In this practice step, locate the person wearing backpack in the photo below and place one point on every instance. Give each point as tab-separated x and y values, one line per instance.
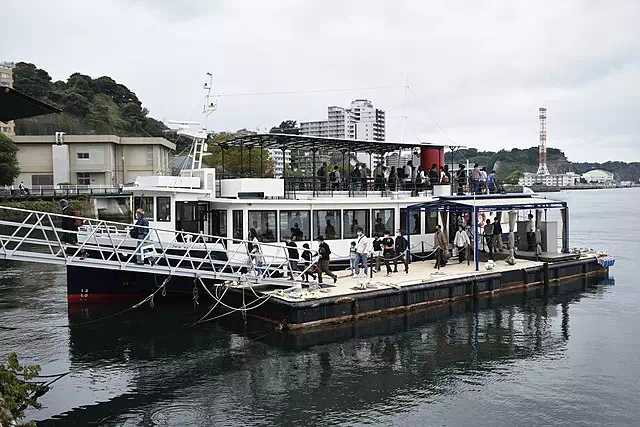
323	263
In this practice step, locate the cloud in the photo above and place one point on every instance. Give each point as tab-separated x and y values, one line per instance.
478	69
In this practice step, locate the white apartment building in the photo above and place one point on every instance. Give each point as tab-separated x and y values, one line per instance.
360	121
280	161
6	79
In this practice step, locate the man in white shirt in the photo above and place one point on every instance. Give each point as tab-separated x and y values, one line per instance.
363	247
408	174
483	180
531	234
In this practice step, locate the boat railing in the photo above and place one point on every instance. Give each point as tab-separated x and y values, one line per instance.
355	187
33	236
62	191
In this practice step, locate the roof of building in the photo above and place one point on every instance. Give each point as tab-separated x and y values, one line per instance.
305	142
94	139
15	105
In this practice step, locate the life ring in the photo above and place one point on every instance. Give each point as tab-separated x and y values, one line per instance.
482	218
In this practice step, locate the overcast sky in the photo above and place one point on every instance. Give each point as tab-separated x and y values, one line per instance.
477	71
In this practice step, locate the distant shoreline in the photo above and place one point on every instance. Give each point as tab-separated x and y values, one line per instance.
555	189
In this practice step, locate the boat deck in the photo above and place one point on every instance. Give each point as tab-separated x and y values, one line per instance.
420	272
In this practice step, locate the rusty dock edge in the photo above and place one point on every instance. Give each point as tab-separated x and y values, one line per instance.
302	315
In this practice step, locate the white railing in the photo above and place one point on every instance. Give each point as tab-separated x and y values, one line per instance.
38	237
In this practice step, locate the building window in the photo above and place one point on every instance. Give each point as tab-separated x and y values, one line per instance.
41	180
149	151
431	220
263	225
146	204
84	178
4	76
354	219
295	223
237	224
164	209
383	221
219	222
82	155
414	222
327	224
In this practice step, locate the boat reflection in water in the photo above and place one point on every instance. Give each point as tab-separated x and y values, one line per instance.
232	372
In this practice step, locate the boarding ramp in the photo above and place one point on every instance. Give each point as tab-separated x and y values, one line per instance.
33	236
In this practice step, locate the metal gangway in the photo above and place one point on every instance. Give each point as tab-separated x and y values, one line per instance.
34	236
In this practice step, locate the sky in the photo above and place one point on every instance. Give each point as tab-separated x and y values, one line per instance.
462	72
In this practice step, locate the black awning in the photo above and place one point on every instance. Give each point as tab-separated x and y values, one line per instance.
305	142
15	105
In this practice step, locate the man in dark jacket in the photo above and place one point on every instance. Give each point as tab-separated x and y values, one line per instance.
292	251
140	232
323	264
69	224
401	252
389	254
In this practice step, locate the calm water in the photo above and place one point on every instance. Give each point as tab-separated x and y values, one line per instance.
571	359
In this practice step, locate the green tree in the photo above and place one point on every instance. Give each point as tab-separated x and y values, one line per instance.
17	392
513	177
246	163
9	167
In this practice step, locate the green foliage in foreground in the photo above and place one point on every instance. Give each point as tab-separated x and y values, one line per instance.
17	393
9	167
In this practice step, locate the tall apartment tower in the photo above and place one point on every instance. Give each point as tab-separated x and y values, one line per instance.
542	147
6	79
360	121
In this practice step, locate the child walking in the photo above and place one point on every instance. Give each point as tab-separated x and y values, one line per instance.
353	254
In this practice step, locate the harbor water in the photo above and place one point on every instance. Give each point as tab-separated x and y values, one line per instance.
567	358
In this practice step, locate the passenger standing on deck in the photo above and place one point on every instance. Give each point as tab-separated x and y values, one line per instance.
387	247
378	177
292	251
408	175
377	251
140	230
483	180
531	234
491	182
322	176
363	247
497	235
488	236
353	256
433	174
323	267
445	176
335	179
461	241
461	178
440	246
401	246
393	179
475	179
355	177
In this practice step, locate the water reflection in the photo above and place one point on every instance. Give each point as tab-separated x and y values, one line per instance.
237	373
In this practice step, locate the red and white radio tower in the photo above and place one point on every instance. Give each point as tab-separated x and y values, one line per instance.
542	165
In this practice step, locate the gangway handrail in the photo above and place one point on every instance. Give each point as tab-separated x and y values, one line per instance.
176	257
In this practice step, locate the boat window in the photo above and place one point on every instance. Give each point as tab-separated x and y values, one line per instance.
354	219
327	224
263	225
295	223
146	204
431	220
219	222
164	209
414	222
383	220
237	224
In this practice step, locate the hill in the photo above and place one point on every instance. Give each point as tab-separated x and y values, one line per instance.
516	161
90	106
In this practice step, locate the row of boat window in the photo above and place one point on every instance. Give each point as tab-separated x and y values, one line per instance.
271	225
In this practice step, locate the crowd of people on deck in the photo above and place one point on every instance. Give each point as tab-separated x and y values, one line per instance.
361	178
407	178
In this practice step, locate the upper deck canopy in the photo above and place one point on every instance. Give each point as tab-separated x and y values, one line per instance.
288	141
493	202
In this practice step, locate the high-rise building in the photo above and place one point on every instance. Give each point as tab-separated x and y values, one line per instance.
6	79
280	161
360	121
